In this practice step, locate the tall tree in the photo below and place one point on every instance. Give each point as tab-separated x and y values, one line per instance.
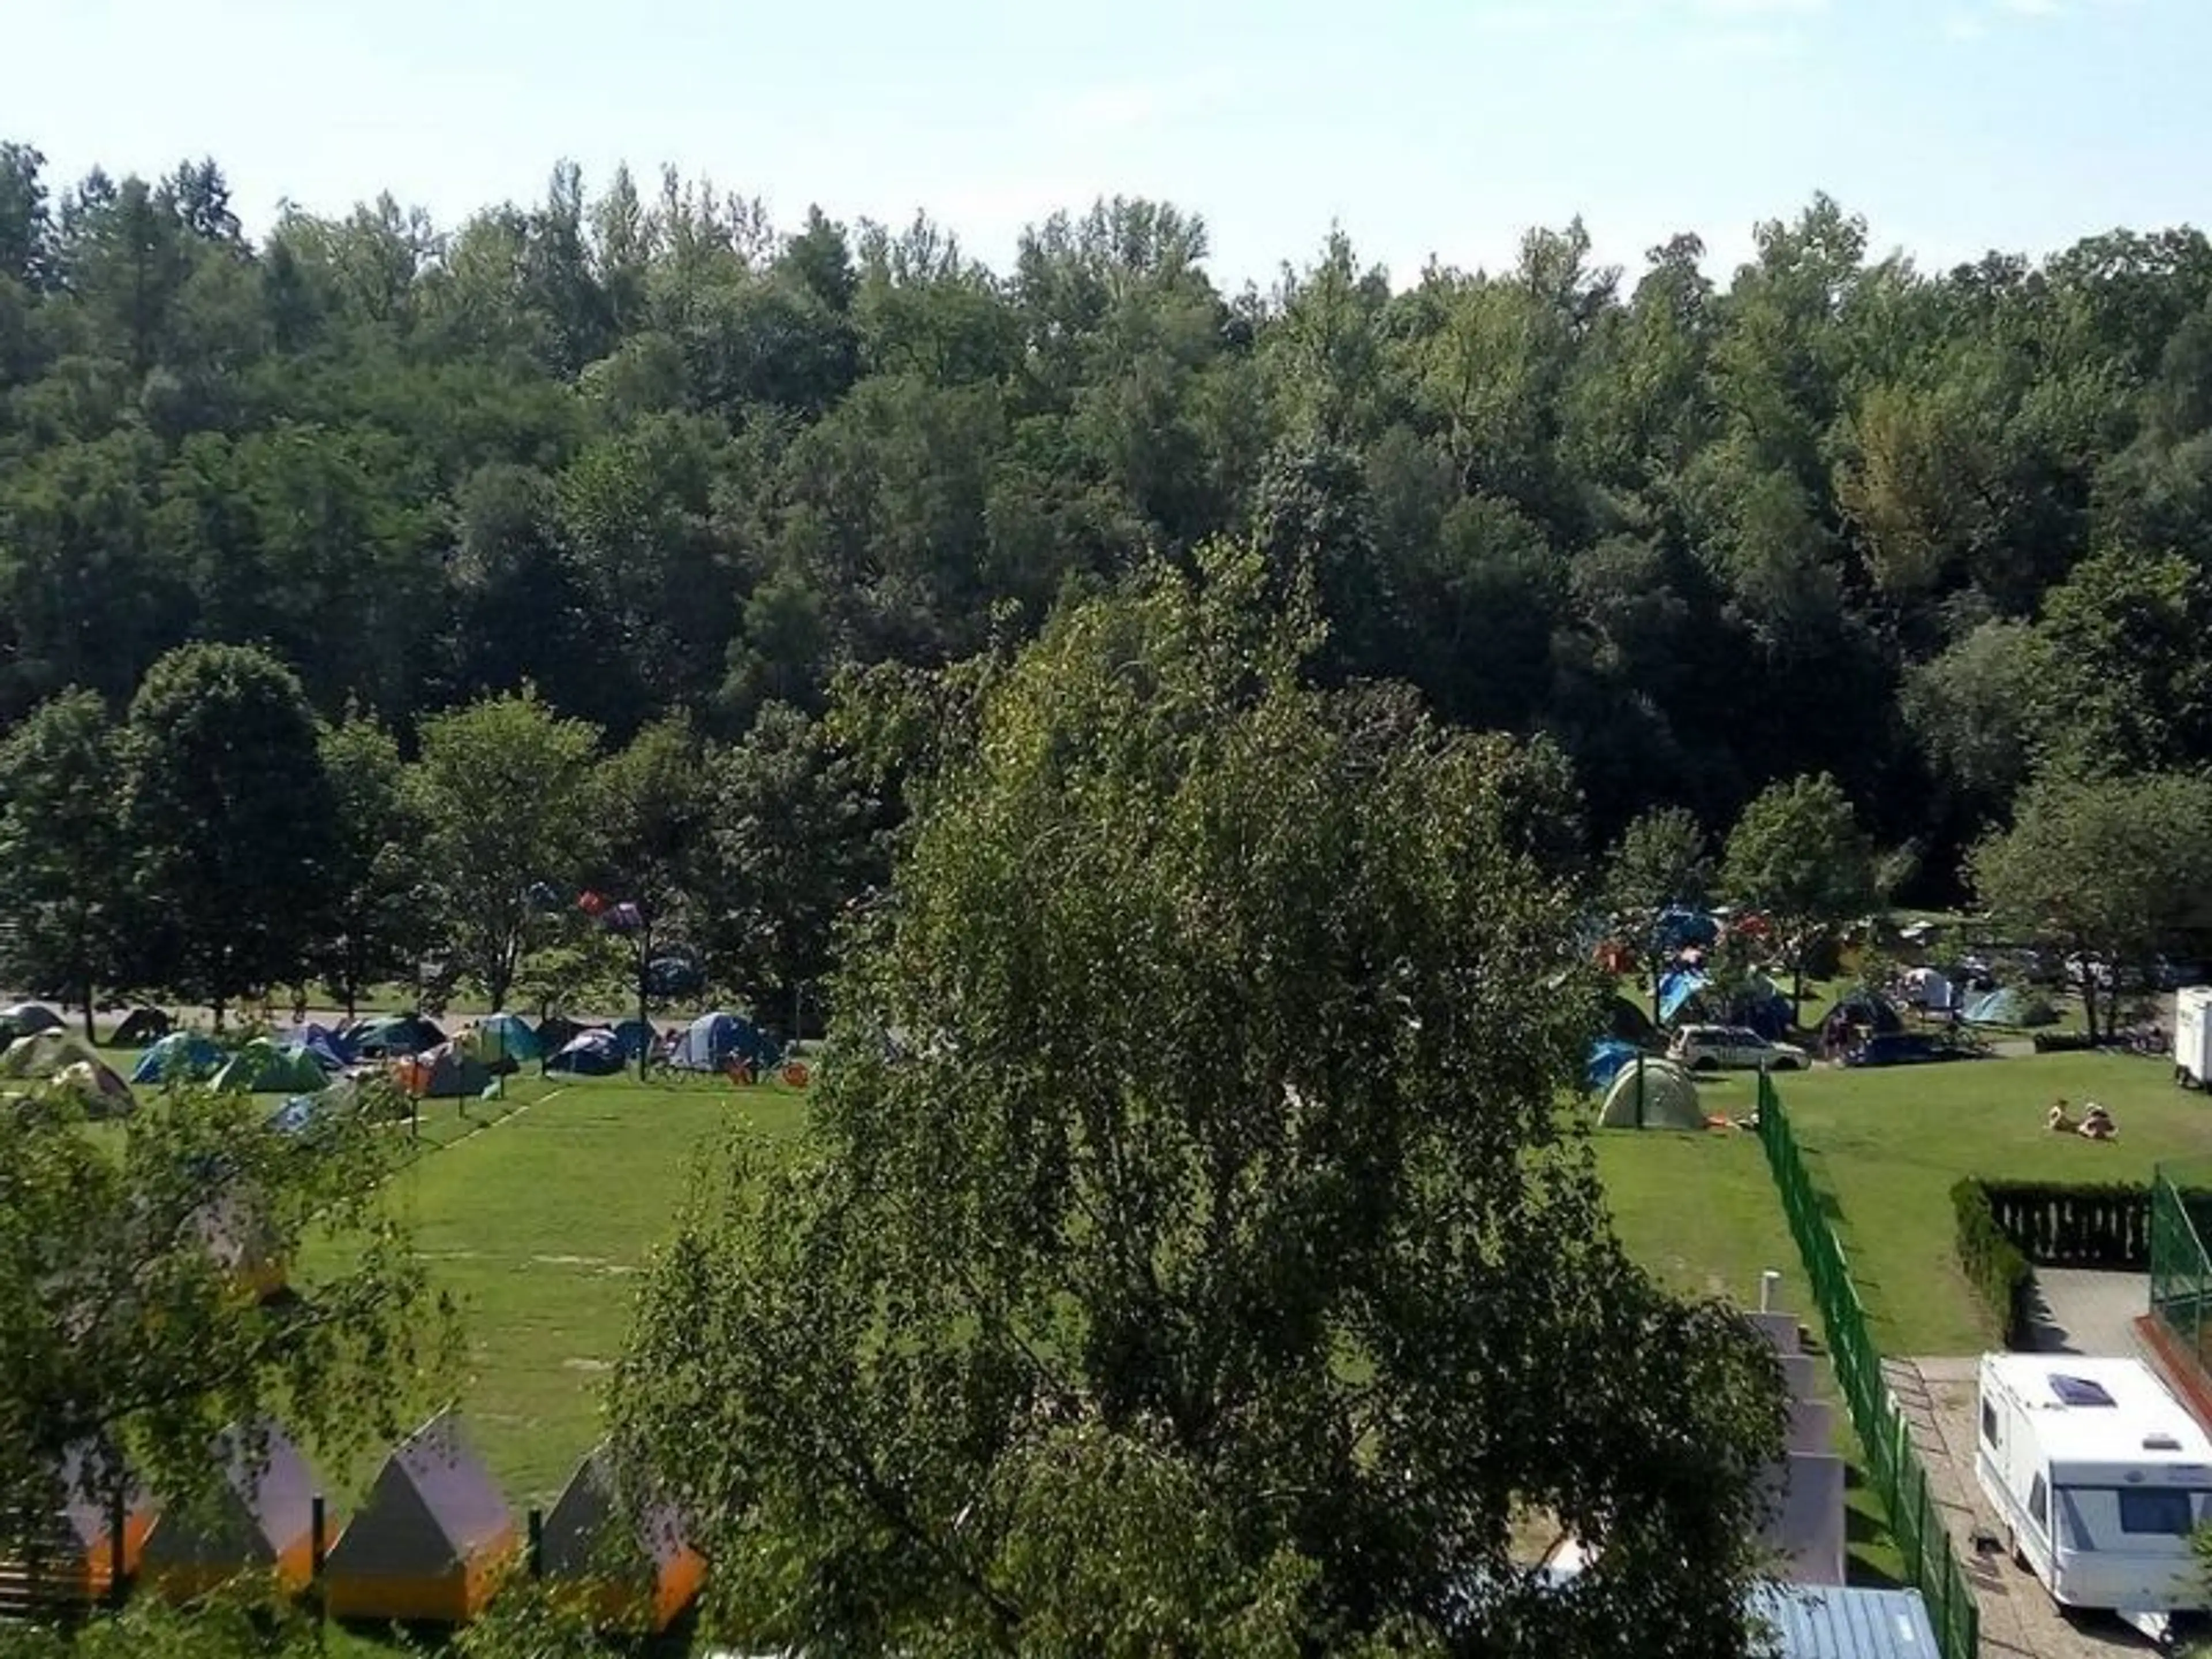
231	820
654	808
375	916
505	790
1662	862
793	843
1798	854
62	841
2105	869
1187	1253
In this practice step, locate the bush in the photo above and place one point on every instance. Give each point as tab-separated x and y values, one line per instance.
1994	1265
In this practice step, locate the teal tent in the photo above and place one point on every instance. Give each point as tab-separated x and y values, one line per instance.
185	1056
501	1041
2010	1006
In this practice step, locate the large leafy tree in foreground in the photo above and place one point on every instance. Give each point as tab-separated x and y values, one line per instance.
1186	1254
127	1322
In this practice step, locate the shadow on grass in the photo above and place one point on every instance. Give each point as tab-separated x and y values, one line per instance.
1870	1548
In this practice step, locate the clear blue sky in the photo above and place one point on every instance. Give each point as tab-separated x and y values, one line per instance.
1424	126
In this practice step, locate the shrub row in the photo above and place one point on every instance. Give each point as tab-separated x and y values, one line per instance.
1994	1265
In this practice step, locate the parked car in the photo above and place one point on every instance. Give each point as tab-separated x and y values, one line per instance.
1711	1047
1907	1049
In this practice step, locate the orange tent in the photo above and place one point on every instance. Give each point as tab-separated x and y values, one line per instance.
634	1562
429	1544
73	1558
259	1520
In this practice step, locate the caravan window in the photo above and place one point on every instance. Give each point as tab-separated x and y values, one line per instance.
2135	1519
2165	1512
1989	1423
2038	1506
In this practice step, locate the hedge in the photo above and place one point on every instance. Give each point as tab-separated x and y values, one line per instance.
1993	1263
2006	1228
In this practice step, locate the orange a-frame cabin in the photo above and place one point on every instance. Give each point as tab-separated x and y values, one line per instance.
259	1520
432	1541
634	1567
73	1558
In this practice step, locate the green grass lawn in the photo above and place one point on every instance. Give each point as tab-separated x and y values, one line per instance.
1700	1212
539	1211
539	1225
1886	1145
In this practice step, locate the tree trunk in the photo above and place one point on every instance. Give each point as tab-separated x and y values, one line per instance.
90	1036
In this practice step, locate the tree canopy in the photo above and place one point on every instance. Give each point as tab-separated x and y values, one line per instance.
133	1331
636	446
1196	1131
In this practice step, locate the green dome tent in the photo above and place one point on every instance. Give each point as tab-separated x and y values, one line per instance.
1657	1094
262	1068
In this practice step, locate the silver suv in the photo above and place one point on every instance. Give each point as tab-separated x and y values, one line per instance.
1710	1048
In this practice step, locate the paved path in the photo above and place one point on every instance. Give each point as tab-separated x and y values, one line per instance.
2019	1618
2077	1311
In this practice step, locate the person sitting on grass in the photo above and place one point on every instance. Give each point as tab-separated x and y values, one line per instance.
2097	1124
2058	1120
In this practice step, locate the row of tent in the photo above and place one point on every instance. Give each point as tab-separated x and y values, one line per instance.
429	1544
428	1063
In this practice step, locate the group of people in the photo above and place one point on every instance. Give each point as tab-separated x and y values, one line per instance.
2095	1124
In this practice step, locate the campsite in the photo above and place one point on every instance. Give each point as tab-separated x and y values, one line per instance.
539	1197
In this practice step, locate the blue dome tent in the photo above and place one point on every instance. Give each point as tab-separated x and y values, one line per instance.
589	1054
716	1039
181	1054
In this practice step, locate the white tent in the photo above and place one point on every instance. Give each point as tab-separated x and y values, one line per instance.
1926	988
1652	1094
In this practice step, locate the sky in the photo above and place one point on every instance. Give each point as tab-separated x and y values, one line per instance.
1426	129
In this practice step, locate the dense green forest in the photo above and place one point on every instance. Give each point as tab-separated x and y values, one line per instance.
647	451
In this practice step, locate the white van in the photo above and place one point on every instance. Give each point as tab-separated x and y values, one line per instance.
2100	1478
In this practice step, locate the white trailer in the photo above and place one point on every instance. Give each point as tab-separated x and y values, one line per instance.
2098	1477
2192	1035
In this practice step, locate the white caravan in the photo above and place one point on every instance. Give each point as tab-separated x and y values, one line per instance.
2192	1035
2099	1477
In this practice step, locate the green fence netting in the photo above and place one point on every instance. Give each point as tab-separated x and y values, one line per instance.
1893	1468
2180	1268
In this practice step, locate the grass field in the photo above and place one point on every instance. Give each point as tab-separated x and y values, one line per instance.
1886	1145
539	1224
539	1212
